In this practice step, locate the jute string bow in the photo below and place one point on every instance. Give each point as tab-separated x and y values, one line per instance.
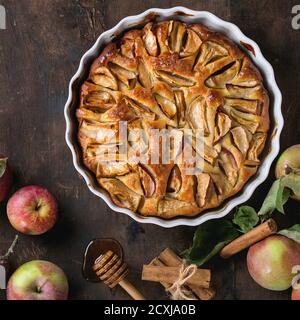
177	288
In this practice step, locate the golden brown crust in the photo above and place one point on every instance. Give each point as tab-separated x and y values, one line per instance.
172	76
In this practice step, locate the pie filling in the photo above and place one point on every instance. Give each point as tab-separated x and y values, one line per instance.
174	80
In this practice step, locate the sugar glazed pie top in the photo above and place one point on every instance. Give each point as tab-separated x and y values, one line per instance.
173	76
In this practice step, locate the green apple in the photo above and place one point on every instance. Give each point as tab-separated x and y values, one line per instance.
288	161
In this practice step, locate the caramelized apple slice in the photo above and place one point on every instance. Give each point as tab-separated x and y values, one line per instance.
210	154
210	52
207	152
148	182
236	91
240	139
132	181
86	114
95	97
103	77
172	205
164	90
256	146
192	44
124	75
140	110
144	75
204	186
174	80
111	169
248	120
165	99
198	115
119	112
99	100
162	31
243	105
120	194
176	36
219	79
168	107
221	183
127	48
99	132
175	180
104	152
228	144
223	125
150	40
252	163
181	107
229	166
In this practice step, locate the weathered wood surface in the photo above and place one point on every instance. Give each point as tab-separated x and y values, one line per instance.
39	52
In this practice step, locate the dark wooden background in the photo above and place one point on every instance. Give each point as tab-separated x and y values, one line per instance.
39	53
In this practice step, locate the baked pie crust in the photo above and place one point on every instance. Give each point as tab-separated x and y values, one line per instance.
174	76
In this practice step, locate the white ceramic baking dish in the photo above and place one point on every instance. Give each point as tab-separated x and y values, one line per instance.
215	23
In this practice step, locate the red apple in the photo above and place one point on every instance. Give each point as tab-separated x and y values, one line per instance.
290	159
6	178
295	294
38	280
32	210
270	262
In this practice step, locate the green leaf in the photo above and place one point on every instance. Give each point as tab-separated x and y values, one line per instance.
275	199
292	233
280	192
209	239
292	182
3	163
246	218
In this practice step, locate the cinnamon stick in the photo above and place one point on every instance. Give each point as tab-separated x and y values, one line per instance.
246	240
171	259
189	293
170	274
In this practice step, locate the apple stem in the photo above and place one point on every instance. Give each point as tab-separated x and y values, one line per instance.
287	169
38	205
39	288
11	249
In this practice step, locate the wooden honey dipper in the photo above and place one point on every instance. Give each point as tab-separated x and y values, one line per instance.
110	269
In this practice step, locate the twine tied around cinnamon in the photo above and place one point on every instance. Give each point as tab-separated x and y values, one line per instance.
177	288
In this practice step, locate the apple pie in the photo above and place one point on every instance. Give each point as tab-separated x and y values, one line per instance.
177	77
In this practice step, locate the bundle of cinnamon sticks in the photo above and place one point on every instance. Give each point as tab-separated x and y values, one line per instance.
166	269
